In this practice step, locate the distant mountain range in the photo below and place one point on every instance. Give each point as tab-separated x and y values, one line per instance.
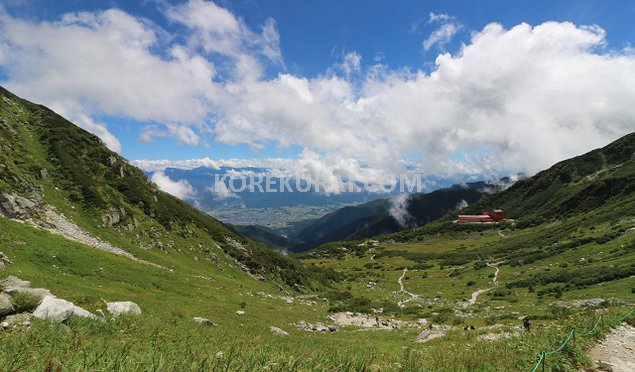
381	216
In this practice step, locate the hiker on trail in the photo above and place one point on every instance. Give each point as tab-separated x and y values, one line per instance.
526	324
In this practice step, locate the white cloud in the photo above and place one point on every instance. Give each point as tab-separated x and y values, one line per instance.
439	17
441	36
399	210
516	99
217	30
222	192
181	188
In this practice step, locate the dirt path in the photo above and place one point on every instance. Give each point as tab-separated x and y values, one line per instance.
616	352
495	280
402	303
475	294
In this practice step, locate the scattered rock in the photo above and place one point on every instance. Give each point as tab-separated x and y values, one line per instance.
430	334
367	321
123	307
317	327
16	321
59	310
2	266
44	174
240	312
203	321
13	282
6	307
54	309
278	331
592	302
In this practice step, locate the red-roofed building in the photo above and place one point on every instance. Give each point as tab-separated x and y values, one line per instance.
496	215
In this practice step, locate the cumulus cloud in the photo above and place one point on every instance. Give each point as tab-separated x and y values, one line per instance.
517	99
181	188
217	30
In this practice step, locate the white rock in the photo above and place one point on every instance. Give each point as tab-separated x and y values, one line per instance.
83	313
13	282
278	331
54	309
240	312
123	307
203	321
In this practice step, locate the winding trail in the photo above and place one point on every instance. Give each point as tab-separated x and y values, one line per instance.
475	294
402	303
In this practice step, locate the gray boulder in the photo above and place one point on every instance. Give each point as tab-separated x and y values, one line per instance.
14	206
54	309
59	310
203	321
12	285
6	307
13	282
2	266
83	313
123	307
278	331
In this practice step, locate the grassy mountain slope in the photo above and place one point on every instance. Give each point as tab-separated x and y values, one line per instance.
53	162
572	186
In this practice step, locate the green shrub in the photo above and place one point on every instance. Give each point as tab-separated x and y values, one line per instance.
24	302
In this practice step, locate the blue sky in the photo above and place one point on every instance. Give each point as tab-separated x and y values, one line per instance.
336	81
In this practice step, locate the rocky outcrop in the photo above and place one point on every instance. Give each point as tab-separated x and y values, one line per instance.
12	282
48	307
12	285
317	327
113	216
123	307
18	207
